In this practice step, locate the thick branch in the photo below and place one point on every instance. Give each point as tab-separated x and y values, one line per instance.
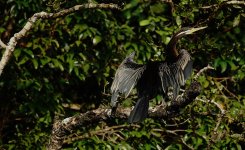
66	126
44	15
225	3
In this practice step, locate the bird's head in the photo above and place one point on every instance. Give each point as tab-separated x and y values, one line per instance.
188	30
171	47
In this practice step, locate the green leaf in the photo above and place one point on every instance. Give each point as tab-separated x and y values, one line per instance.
82	56
216	62
17	53
232	65
78	43
29	52
58	64
2	29
131	4
219	62
223	65
178	20
236	21
160	32
144	22
220	15
205	84
56	43
157	8
45	60
96	40
86	68
71	65
35	63
23	60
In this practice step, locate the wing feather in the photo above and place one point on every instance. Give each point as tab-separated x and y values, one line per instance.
175	75
126	77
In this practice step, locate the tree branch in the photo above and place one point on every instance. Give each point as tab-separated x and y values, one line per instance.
225	3
63	127
208	67
10	47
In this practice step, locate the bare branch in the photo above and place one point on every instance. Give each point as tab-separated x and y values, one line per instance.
187	145
177	124
236	2
43	15
222	110
202	70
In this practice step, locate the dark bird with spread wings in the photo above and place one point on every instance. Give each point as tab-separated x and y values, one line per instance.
154	77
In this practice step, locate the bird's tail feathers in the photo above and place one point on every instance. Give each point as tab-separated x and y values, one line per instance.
140	111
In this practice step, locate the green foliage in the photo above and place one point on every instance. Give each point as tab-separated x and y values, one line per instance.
73	59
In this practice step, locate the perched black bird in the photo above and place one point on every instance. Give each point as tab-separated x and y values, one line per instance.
154	77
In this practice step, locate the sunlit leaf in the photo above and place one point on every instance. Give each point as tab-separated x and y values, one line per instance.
23	60
232	65
96	40
223	65
17	53
58	64
145	22
178	21
45	60
29	52
236	21
35	63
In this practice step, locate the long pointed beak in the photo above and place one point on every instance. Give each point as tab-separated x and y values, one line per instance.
197	29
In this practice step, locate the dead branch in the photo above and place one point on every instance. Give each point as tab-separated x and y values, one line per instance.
10	47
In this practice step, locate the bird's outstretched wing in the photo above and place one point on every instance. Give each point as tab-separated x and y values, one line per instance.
126	78
174	75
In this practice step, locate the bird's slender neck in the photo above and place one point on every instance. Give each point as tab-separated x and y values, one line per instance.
171	48
171	51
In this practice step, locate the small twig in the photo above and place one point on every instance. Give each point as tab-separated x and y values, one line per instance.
225	88
232	94
202	70
218	123
187	145
223	78
169	131
215	103
177	124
